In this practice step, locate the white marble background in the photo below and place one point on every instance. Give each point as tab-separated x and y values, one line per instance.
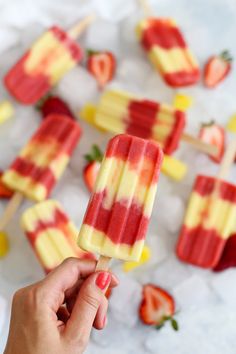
206	301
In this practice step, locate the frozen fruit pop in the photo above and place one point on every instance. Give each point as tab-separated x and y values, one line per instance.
43	160
168	51
118	213
51	234
43	65
209	221
122	112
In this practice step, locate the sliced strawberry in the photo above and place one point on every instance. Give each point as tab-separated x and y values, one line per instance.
102	66
53	104
228	257
5	192
157	307
217	68
91	169
214	134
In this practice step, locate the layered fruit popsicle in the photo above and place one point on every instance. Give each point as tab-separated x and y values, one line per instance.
51	234
43	65
43	160
209	221
168	51
117	217
121	112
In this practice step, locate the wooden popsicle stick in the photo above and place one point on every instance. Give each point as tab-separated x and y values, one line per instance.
103	263
10	210
146	7
200	145
227	161
75	31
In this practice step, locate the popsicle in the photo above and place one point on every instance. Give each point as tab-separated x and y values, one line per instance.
41	162
118	213
168	52
51	234
45	63
209	220
122	112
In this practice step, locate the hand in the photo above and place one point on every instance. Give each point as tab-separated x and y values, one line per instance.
56	315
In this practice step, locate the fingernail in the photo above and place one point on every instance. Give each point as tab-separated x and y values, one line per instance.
103	280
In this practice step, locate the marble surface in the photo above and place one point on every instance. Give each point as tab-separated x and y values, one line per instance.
206	301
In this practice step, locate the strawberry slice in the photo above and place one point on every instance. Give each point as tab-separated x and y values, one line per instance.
217	68
157	307
214	134
102	66
228	257
90	173
5	192
53	104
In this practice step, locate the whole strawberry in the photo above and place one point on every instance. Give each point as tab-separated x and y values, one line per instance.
157	307
54	104
214	134
91	170
102	66
217	68
228	257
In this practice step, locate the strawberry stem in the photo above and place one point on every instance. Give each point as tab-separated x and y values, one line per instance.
225	55
94	155
209	124
174	323
91	52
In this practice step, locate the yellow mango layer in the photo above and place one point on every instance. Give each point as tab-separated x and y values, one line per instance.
93	240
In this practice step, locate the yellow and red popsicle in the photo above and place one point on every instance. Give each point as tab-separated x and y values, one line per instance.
43	65
168	51
117	217
122	112
51	234
43	160
209	221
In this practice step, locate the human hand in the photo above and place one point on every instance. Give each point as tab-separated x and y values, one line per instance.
56	315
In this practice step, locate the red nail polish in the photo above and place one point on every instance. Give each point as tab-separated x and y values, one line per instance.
103	280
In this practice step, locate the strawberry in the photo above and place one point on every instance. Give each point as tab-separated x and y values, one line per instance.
157	307
91	169
228	257
217	68
214	134
5	192
102	66
53	104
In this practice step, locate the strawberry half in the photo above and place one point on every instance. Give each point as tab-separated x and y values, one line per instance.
228	257
102	66
217	68
90	173
5	192
214	134
157	307
53	104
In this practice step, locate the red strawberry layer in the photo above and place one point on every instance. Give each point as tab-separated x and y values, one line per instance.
121	223
162	33
200	247
205	185
130	148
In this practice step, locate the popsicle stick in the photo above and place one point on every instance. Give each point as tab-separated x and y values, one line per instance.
10	210
75	31
227	161
103	263
200	145
146	7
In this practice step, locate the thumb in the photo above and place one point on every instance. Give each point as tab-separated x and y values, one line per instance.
91	296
